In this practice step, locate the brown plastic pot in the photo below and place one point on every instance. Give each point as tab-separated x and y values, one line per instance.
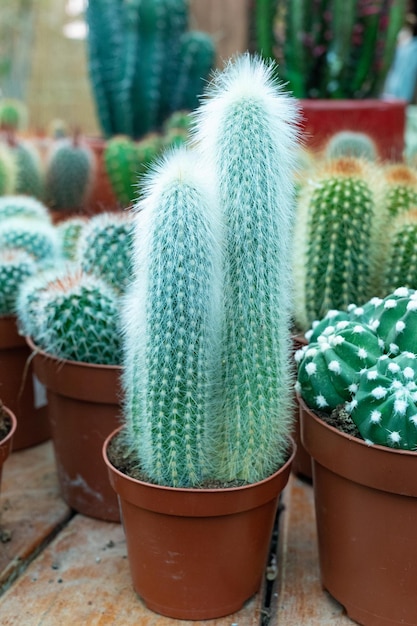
302	461
6	442
197	554
366	512
84	405
19	389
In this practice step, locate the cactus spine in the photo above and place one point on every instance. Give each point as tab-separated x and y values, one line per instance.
172	325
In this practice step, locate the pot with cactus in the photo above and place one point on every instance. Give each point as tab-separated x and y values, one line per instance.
357	381
205	448
335	57
70	317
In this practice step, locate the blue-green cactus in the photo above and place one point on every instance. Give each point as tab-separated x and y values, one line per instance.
37	237
69	232
351	144
16	266
12	206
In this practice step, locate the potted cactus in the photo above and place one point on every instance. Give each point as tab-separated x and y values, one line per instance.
206	353
357	382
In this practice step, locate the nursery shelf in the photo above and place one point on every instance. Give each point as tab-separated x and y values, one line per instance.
58	568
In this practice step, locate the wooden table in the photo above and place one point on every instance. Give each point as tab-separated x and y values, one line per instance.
58	568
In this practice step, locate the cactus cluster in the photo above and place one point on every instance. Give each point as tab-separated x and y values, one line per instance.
142	60
16	266
30	174
71	315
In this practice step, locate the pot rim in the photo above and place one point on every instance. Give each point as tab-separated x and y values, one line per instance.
47	355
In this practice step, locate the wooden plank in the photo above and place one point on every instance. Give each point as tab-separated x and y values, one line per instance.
299	597
83	577
31	508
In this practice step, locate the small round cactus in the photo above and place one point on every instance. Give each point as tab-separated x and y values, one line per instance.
328	370
72	316
384	407
38	238
16	266
105	248
401	188
351	144
23	206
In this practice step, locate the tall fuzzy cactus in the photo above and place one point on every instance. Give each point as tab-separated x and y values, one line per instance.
246	129
15	267
70	170
104	248
72	316
38	238
172	322
400	268
12	206
337	238
137	51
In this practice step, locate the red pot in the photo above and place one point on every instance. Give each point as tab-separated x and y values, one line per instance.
197	554
382	120
366	512
6	443
19	389
84	405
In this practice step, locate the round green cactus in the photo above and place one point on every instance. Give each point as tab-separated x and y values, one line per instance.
23	206
72	316
16	266
69	232
384	407
105	248
38	238
401	188
13	114
329	370
351	144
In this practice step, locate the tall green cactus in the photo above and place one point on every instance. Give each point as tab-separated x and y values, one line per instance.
336	239
246	129
400	268
138	52
172	324
400	188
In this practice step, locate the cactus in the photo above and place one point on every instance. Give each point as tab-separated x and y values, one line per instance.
400	268
8	171
178	120
105	248
401	188
69	232
351	144
38	238
70	171
137	52
23	207
30	176
72	316
246	129
16	266
329	370
384	407
13	114
337	230
172	323
395	321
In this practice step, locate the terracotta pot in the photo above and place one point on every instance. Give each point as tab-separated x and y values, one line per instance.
302	461
19	389
383	120
366	511
83	408
6	443
197	554
102	197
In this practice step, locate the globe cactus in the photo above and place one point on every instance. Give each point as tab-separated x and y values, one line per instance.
15	267
105	248
38	238
351	144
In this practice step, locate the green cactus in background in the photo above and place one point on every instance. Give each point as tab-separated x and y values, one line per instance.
336	241
69	232
172	325
329	369
105	248
70	170
16	266
351	144
246	130
8	171
36	237
140	64
264	15
72	316
331	49
400	268
178	120
24	207
13	114
384	407
30	175
400	188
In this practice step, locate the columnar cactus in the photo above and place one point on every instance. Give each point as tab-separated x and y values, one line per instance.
12	206
72	316
172	323
15	267
400	188
400	267
104	248
329	370
246	129
38	238
336	239
384	407
70	170
351	144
